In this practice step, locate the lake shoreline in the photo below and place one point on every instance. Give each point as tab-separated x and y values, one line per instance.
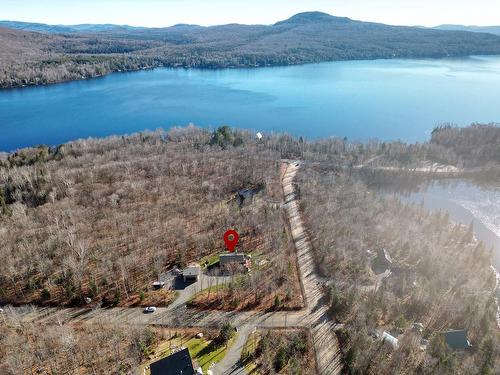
315	101
231	67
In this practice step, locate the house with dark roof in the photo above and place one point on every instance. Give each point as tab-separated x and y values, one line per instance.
229	258
244	196
382	261
234	262
457	339
384	257
179	363
191	273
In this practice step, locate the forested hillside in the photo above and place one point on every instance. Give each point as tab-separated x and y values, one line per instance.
469	151
474	146
28	58
69	349
104	218
440	277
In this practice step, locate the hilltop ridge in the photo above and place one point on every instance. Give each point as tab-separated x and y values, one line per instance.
85	51
314	17
63	29
475	29
299	18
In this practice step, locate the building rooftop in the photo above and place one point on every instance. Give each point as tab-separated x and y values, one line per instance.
176	364
457	339
232	258
244	195
390	340
193	270
384	255
382	262
232	255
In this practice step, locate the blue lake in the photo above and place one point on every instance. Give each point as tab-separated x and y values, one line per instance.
387	99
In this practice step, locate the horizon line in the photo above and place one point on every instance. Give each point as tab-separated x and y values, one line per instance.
232	23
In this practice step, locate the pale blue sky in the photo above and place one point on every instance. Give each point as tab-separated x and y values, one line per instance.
209	12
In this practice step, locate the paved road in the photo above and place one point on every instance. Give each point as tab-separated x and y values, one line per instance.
314	316
190	290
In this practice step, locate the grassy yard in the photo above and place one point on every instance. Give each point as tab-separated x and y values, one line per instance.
210	260
202	352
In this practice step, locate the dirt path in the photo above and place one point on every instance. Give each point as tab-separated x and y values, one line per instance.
314	316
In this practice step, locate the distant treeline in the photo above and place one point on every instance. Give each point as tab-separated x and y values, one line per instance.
474	146
472	149
29	58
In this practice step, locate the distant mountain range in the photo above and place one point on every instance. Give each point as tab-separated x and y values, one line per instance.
303	18
62	53
63	29
476	29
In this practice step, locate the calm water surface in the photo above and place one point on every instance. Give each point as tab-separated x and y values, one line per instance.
388	99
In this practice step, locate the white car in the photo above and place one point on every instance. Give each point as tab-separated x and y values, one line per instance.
149	309
1	310
158	285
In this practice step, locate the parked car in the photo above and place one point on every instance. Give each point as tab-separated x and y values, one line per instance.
158	284
149	309
1	310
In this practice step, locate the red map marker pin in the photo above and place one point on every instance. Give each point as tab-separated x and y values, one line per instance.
231	239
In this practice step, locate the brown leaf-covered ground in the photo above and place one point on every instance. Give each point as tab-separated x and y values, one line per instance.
103	218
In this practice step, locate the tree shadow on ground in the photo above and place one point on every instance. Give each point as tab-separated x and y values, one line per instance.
180	284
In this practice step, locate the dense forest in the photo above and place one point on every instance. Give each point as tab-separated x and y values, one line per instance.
86	349
279	352
66	207
469	152
29	58
477	146
472	148
441	277
102	218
